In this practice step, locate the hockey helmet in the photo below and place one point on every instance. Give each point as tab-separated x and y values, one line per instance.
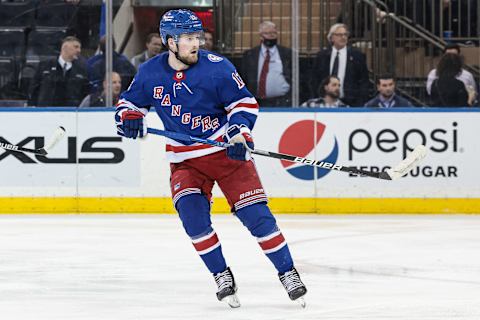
177	22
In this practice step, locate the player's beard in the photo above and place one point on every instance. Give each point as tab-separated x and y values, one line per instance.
188	59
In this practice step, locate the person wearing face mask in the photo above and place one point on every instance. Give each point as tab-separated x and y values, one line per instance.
267	69
346	63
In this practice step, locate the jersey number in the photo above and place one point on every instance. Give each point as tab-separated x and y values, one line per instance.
238	80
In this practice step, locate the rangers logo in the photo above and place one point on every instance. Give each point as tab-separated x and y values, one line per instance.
214	58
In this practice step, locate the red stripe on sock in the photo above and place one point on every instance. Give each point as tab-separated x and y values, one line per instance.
272	243
207	243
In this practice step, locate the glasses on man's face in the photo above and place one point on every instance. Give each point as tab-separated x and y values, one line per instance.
344	35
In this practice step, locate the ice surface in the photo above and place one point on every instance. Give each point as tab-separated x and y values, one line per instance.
144	267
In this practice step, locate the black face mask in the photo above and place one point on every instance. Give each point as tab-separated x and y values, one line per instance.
270	42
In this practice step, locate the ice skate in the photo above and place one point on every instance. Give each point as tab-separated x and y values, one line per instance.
227	288
293	284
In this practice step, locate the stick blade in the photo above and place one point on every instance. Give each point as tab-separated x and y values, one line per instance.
54	139
407	164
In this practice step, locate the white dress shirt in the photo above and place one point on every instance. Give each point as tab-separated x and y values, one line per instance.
276	85
342	65
63	62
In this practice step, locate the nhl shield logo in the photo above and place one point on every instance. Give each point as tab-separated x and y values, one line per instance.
179	76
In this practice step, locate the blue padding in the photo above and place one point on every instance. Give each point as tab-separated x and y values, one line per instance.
194	211
258	219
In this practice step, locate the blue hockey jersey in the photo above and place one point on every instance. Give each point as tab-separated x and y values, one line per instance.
200	101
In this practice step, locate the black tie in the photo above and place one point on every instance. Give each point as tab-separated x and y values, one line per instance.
335	65
64	69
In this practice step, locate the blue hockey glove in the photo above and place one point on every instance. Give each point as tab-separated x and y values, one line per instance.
242	142
133	124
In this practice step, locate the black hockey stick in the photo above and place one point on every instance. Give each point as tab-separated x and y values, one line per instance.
43	151
396	172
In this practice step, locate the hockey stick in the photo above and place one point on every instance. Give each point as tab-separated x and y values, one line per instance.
398	171
56	136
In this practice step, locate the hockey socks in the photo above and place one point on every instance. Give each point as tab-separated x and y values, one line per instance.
262	225
194	211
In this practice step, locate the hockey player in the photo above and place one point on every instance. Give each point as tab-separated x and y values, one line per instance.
199	93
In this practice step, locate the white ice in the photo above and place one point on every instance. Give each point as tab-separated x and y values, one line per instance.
143	267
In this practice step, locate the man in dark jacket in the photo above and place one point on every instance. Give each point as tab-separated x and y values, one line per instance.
61	81
267	69
120	64
387	98
346	63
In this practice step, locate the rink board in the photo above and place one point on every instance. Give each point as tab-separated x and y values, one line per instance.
93	170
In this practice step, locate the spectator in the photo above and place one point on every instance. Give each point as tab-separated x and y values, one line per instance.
209	44
329	95
387	98
267	69
120	64
98	53
154	47
97	99
346	63
465	76
61	81
447	90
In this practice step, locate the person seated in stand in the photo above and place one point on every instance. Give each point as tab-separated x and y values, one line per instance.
209	44
97	99
387	98
329	95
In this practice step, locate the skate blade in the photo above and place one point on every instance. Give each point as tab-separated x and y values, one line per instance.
232	301
301	301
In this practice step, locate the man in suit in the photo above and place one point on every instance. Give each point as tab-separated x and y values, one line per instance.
61	81
267	69
346	63
154	47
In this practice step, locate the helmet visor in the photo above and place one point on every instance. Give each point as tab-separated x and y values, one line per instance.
194	38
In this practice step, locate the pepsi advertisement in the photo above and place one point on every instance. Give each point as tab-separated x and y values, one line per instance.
372	141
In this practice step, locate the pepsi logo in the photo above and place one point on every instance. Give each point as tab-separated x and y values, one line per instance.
309	139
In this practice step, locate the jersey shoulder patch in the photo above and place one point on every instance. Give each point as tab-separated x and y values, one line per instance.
214	58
